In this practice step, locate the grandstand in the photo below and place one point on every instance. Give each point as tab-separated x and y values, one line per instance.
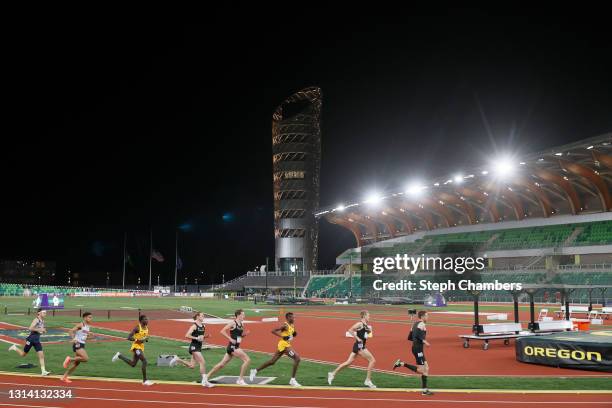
16	289
544	218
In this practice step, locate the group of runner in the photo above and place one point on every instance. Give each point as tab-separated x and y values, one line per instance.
234	332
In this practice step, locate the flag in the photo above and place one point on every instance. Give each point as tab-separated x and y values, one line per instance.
157	256
179	263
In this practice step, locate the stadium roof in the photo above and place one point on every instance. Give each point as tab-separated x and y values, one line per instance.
567	180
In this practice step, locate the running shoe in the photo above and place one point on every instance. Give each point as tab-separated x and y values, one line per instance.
148	383
45	372
398	363
116	357
13	347
252	375
369	384
241	382
173	362
427	392
293	382
330	378
66	362
65	379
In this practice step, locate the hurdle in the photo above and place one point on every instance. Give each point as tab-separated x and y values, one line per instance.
566	324
606	311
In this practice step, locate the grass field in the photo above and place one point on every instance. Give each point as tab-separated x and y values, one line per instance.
310	373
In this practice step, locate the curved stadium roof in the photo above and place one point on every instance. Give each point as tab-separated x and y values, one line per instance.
567	180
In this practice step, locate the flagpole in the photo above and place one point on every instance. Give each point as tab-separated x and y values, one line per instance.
175	259
150	256
124	244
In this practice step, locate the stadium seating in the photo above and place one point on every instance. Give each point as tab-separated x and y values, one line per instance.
15	289
338	286
594	233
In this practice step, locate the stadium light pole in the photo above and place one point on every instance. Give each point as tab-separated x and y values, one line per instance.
150	254
267	276
175	259
124	245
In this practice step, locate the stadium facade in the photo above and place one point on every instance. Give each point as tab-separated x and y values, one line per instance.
573	179
544	219
296	158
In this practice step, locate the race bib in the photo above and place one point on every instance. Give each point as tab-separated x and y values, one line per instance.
360	345
238	339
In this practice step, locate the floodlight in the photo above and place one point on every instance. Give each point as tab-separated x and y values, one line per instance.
373	198
415	189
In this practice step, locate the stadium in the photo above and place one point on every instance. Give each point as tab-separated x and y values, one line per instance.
542	222
308	214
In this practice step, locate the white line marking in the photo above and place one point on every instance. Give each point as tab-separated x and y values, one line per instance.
28	406
9	342
216	404
361	398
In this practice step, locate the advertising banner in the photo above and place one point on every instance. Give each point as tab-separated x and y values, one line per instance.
585	351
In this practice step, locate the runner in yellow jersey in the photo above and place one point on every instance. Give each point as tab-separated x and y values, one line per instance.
286	333
138	336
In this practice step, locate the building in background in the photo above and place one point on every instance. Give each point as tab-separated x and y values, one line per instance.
296	147
27	272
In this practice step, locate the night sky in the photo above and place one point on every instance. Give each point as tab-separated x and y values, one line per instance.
114	127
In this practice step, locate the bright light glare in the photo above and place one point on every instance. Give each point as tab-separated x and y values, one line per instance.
415	189
339	208
458	178
503	167
373	198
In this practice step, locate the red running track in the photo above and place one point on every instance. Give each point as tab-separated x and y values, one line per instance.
324	339
102	394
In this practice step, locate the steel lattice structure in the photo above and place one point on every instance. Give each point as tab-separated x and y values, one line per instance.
296	147
567	180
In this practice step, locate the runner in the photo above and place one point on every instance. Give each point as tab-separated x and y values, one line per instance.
37	327
196	333
79	333
234	332
360	331
286	333
138	336
417	336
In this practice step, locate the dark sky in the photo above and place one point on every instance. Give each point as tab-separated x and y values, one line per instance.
114	127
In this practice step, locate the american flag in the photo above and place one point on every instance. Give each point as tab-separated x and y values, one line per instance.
157	256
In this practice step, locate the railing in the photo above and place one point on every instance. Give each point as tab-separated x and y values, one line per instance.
324	272
602	266
278	273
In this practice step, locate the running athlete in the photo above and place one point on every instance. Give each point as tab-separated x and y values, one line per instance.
79	333
360	331
234	332
196	333
138	336
37	327
286	333
417	336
